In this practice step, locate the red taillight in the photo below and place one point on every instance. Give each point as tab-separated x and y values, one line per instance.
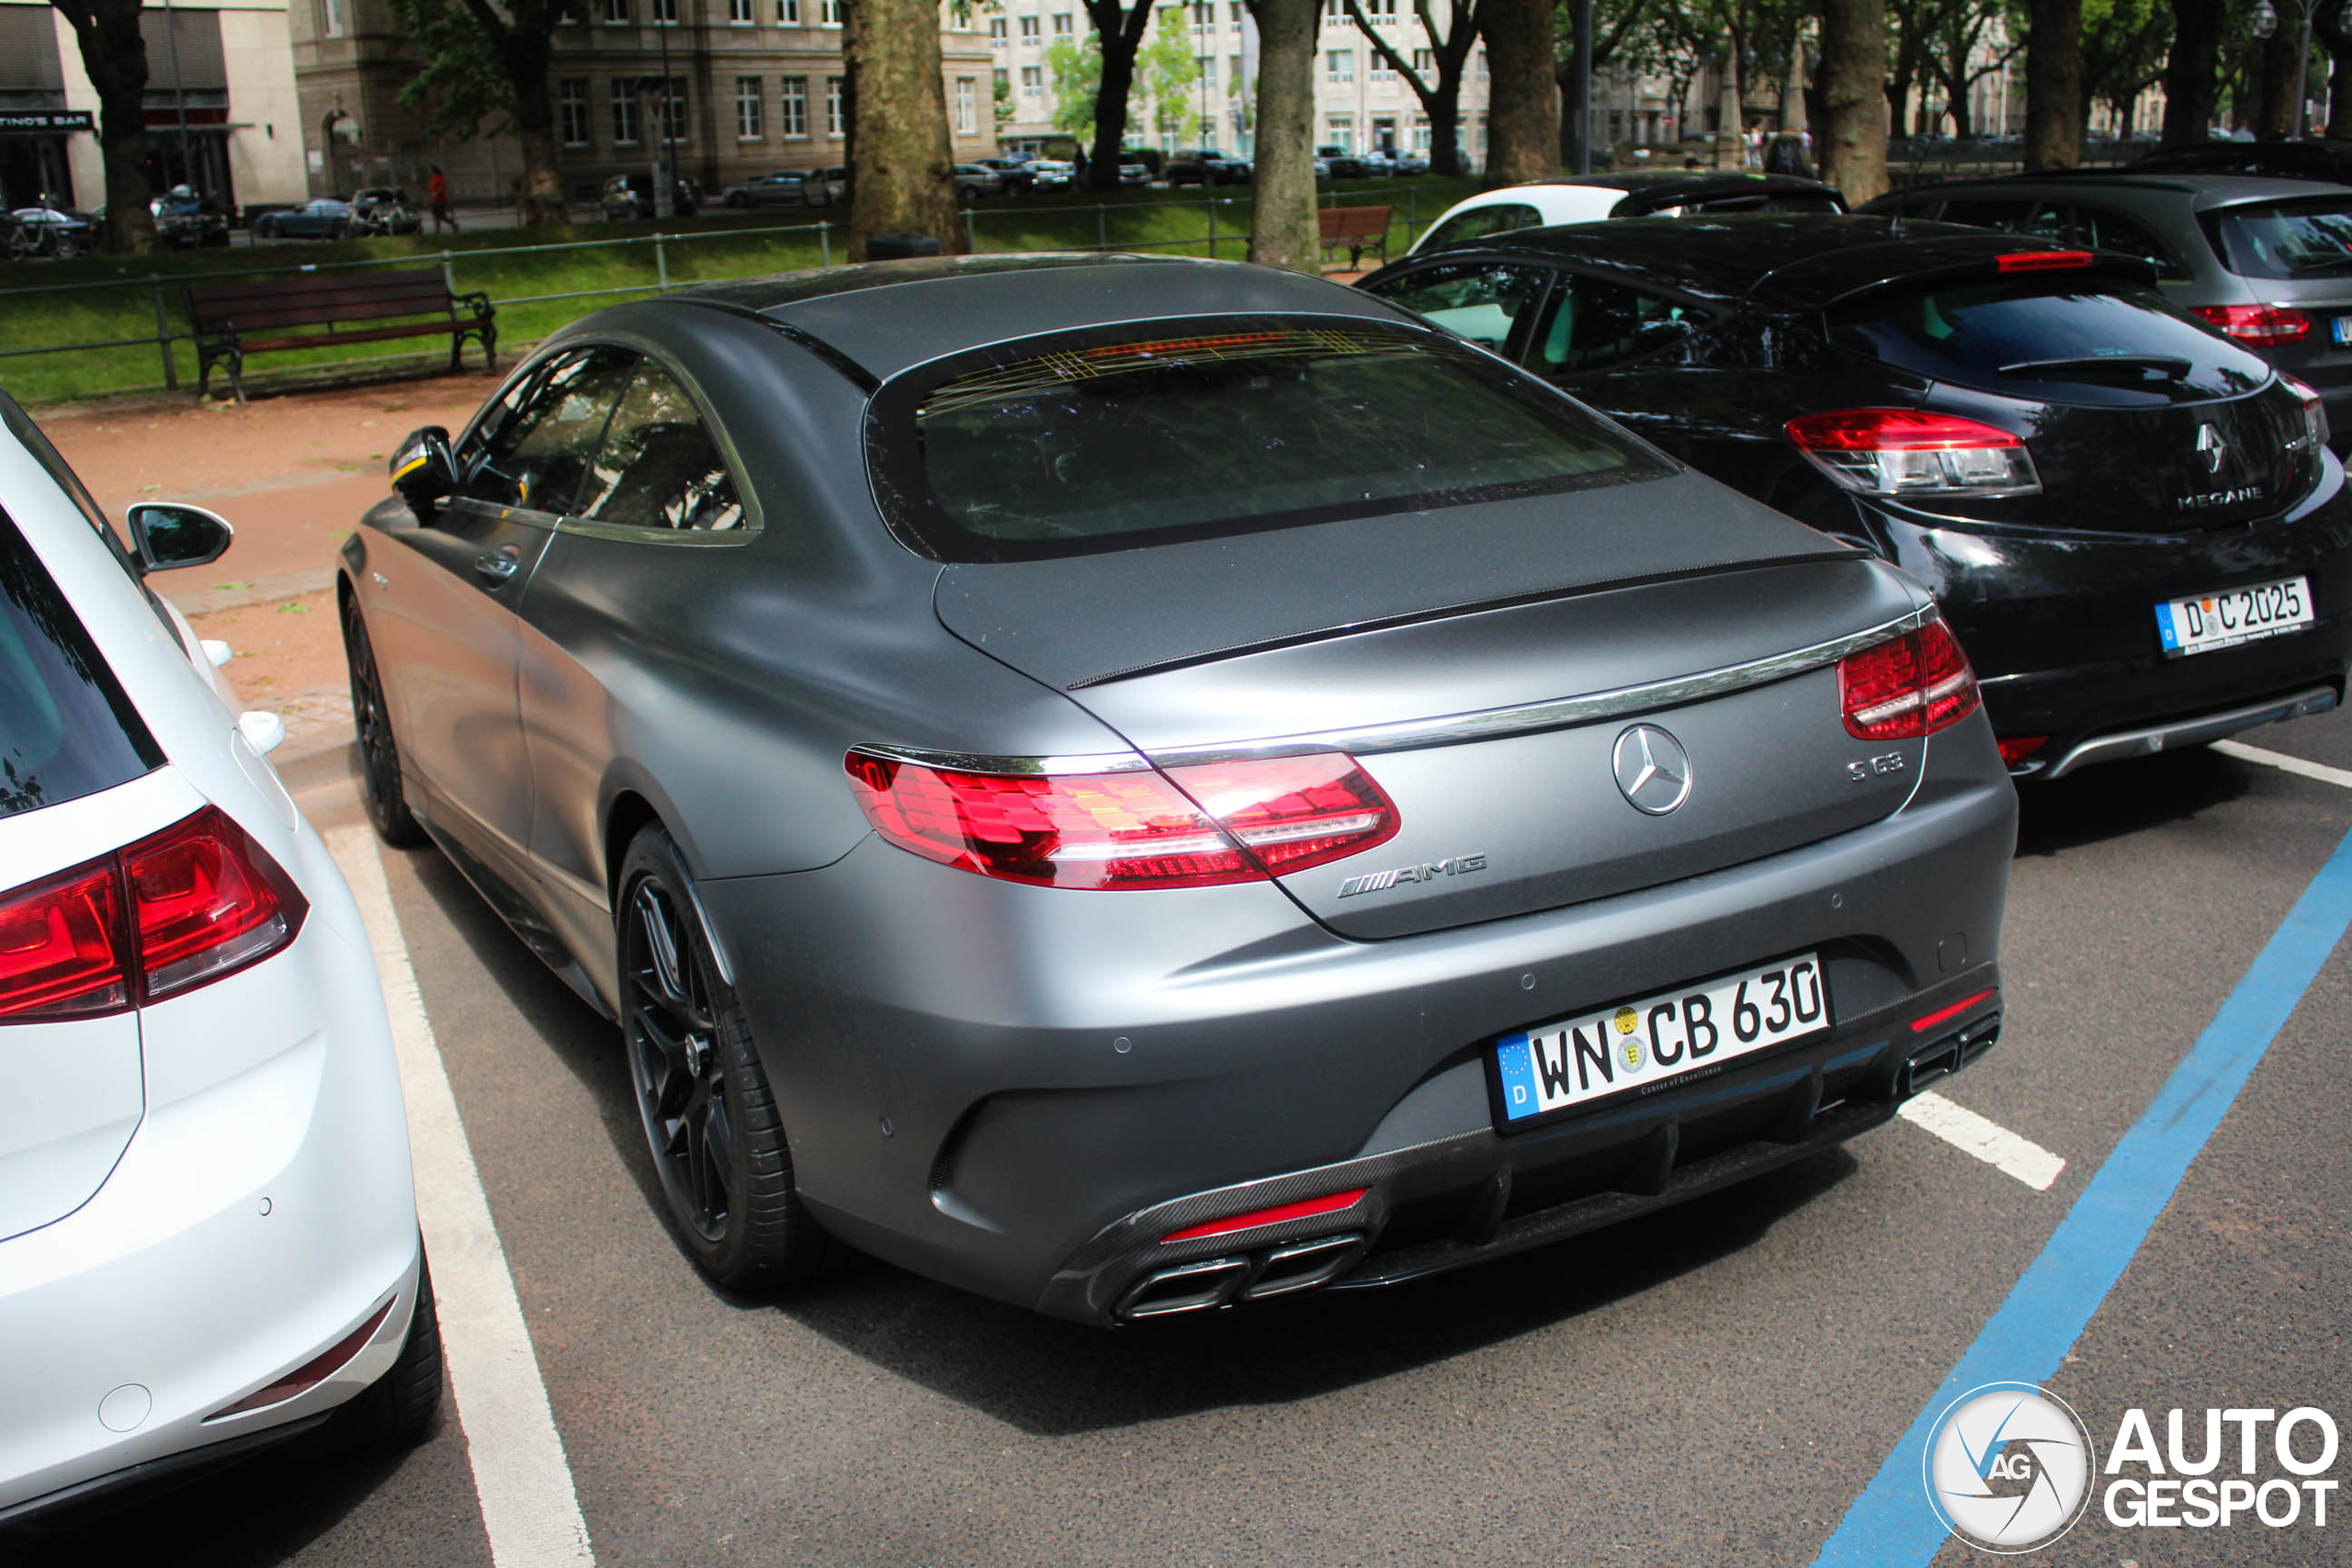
202	900
1945	1015
2042	260
1240	822
1915	451
2257	326
1906	687
2015	748
61	947
1306	1207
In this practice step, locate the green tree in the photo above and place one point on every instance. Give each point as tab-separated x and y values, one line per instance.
485	70
1005	112
1440	91
1074	73
1168	74
1118	34
115	55
2123	46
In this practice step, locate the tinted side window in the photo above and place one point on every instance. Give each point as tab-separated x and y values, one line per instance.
1593	324
20	426
1479	301
66	729
2108	230
534	453
1480	221
658	467
2043	220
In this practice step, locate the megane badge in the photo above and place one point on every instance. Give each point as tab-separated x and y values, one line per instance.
1652	771
2210	446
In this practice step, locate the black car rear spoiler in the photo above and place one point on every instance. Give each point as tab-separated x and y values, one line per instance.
2105	266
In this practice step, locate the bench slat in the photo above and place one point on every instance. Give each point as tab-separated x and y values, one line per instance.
230	317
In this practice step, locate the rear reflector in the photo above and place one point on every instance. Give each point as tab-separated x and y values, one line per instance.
312	1373
2015	748
1907	687
2257	326
1306	1207
185	905
1194	827
1945	1015
1909	452
2042	261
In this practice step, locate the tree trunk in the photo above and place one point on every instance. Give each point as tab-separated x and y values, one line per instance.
1282	231
1852	140
2053	85
1523	99
1118	32
115	55
2192	71
904	177
528	54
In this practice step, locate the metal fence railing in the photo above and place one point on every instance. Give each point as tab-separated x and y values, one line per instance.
1225	220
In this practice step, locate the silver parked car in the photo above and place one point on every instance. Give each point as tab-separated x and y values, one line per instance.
1229	790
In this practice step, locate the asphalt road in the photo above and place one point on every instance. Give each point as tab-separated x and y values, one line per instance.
1711	1386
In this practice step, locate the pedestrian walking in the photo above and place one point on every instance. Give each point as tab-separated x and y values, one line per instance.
436	190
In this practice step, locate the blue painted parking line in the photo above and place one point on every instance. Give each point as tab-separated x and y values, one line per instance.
1890	1525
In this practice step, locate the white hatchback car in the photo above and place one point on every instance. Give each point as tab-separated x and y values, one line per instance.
1591	197
208	1234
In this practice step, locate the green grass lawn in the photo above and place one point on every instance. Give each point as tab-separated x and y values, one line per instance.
101	299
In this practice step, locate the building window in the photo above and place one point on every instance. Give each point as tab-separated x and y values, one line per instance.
665	12
828	12
1423	62
1061	24
1380	68
1335	13
624	113
1032	81
571	99
787	13
1480	57
1203	18
1422	134
1381	12
616	12
996	34
1206	64
1233	17
1029	31
1004	87
832	105
794	109
1342	132
568	14
331	22
1233	82
673	108
739	13
1339	65
967	111
747	108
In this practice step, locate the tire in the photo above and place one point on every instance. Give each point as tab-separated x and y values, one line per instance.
738	200
398	1409
379	754
266	229
339	230
711	1122
65	247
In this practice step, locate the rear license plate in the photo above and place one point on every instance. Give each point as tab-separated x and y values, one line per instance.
2209	621
2342	330
1648	1044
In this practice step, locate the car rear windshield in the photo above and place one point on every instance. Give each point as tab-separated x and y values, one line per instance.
1069	445
2048	340
2307	238
66	729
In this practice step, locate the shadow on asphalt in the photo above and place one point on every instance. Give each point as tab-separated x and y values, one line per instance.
1049	1377
2119	799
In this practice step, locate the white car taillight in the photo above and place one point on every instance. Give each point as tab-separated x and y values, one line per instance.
177	909
1906	452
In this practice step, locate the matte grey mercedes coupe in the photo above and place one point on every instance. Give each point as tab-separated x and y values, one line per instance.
1132	786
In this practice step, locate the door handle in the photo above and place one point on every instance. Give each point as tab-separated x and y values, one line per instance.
499	564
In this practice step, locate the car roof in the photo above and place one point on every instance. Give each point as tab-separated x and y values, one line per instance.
1785	260
2204	191
943	305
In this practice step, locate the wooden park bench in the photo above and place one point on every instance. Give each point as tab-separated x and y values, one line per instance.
258	315
1360	229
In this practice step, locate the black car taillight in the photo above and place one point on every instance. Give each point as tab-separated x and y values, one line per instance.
1906	687
1912	452
177	909
1189	826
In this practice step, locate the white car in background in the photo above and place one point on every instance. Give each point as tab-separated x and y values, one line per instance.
208	1234
1588	199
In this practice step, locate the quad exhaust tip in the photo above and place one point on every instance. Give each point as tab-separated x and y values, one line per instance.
1212	1282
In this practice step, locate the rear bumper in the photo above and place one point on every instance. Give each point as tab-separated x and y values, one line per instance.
2194	730
253	1222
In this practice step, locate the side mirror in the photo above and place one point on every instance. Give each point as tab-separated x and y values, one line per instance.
171	534
424	468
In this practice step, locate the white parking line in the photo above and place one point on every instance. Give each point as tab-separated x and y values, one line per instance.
2284	763
1989	1141
530	1510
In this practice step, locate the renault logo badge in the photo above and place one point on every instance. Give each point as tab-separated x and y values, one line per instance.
2212	448
1652	771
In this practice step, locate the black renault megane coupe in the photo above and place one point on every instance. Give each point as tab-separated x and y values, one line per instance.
1136	785
2133	524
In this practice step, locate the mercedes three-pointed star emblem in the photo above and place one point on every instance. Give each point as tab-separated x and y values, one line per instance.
1652	771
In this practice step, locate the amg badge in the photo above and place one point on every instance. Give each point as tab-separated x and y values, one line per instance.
1380	881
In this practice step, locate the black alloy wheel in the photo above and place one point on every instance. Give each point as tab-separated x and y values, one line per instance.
710	1118
380	756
